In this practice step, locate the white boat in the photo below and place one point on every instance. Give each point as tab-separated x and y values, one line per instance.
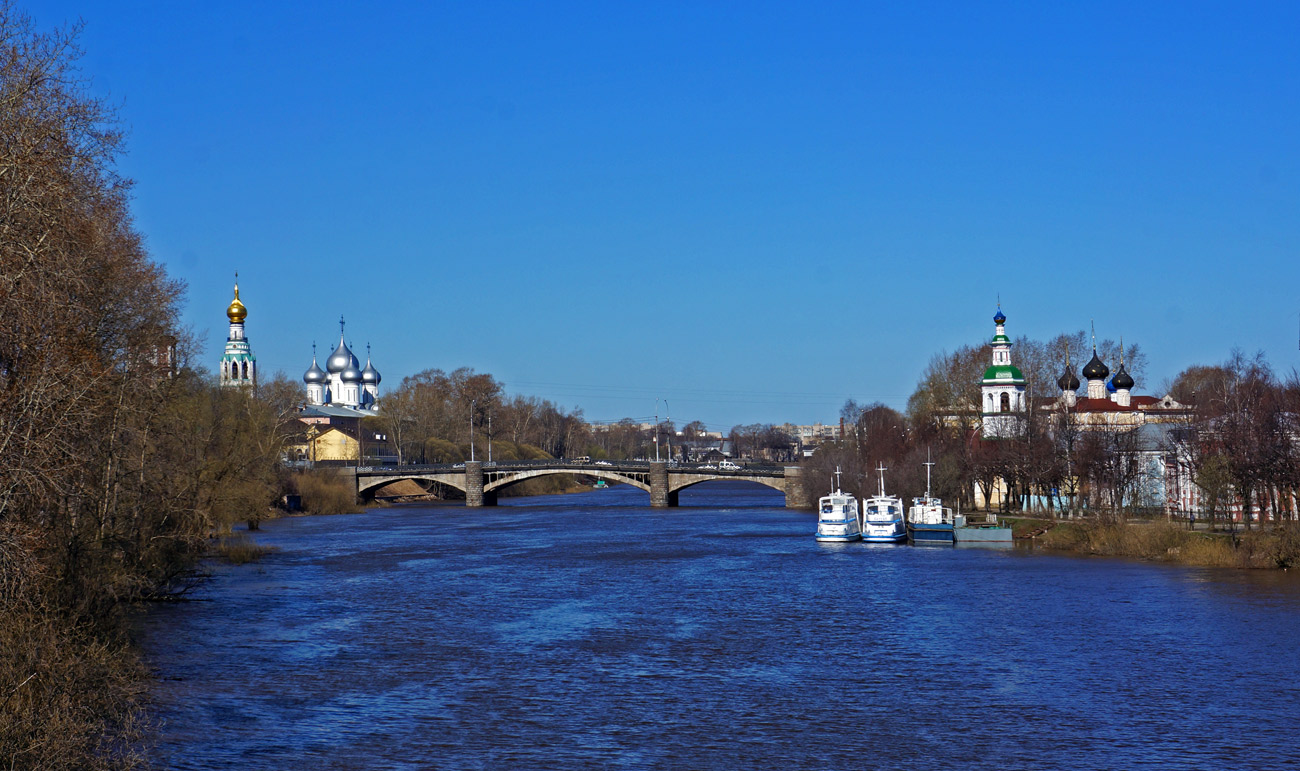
837	515
882	516
928	522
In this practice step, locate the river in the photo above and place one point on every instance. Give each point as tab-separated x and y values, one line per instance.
591	631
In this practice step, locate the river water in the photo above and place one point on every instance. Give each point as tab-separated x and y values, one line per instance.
590	631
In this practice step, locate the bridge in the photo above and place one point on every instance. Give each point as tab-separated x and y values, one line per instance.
480	481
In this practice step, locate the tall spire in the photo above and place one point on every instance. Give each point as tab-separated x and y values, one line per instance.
236	312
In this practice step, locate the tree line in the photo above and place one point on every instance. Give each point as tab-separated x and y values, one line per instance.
434	417
117	461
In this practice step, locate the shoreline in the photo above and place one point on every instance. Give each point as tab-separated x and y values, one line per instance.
1164	541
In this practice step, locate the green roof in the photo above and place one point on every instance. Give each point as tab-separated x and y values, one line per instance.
1000	372
1001	339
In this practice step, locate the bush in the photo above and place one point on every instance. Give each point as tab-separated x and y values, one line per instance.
1170	542
324	492
239	549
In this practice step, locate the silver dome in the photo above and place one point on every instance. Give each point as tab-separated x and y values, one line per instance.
315	374
351	373
370	375
341	359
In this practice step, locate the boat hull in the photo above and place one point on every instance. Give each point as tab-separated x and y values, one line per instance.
931	534
884	538
838	538
992	535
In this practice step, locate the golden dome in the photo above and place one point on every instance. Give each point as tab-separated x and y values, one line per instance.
236	312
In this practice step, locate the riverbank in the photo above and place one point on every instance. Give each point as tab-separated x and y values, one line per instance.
1167	542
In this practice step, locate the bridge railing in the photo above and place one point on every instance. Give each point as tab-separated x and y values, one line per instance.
577	466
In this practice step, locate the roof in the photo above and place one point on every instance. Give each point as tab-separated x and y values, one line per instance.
1106	405
331	411
1003	372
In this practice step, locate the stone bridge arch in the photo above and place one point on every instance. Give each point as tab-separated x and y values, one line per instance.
367	485
679	481
495	480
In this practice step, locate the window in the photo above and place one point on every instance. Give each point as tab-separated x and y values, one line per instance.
1006	402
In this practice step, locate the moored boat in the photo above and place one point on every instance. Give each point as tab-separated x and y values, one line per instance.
989	533
928	520
837	515
882	516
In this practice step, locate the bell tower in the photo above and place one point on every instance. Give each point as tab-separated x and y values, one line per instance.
1002	390
238	364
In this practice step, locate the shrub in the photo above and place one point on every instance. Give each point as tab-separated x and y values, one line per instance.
239	549
324	492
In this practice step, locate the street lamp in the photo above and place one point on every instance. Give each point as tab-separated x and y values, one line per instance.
472	402
668	416
656	430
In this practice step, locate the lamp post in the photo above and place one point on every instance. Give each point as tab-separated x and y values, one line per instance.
489	436
668	417
656	430
472	402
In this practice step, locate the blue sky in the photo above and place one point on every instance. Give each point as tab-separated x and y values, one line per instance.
752	211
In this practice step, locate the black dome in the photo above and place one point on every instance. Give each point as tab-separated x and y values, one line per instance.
1095	370
1122	379
1068	380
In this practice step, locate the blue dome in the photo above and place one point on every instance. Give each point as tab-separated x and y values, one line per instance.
1000	317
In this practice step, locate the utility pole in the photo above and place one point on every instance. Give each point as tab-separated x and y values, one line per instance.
656	430
669	417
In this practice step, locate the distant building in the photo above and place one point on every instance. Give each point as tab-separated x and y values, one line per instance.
1002	389
343	383
1113	404
238	364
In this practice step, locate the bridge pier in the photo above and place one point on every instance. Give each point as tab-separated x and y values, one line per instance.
474	495
794	491
660	497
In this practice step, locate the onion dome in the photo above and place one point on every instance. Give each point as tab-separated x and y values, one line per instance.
1095	370
315	374
236	312
1122	380
341	359
1068	380
352	372
1001	317
369	375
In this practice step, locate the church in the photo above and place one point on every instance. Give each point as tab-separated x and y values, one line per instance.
238	367
343	383
1113	404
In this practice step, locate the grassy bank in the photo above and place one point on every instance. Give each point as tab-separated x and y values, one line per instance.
1163	541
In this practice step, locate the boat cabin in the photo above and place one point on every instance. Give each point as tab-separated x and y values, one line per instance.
837	507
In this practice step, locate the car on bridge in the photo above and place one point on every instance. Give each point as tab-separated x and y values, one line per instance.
728	465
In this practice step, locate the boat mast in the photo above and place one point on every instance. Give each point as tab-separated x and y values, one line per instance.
881	468
837	479
928	464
